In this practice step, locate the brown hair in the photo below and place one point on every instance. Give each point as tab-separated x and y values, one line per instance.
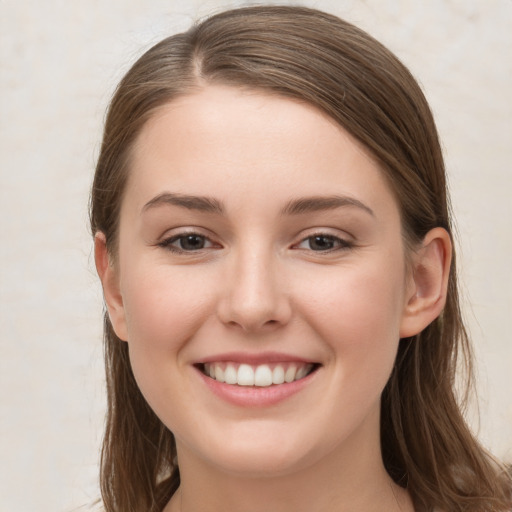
315	57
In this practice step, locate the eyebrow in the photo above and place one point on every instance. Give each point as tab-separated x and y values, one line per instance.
319	203
198	203
294	207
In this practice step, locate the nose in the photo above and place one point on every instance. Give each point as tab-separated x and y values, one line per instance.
254	296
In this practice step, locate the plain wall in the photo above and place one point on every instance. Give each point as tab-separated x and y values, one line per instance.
59	63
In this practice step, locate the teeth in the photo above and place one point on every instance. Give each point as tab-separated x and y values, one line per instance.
289	376
261	375
301	373
245	375
230	374
219	373
278	375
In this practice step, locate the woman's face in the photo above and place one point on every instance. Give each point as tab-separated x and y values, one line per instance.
259	243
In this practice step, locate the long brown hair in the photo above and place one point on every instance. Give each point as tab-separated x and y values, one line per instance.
315	57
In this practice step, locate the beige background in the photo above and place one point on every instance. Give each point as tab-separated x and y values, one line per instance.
59	61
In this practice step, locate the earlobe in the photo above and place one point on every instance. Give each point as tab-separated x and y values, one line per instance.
429	282
110	283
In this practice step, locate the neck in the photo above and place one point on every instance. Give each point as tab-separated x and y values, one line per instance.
296	493
349	478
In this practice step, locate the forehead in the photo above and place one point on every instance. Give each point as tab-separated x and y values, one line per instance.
247	143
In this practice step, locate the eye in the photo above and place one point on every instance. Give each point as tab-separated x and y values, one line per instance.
323	243
187	242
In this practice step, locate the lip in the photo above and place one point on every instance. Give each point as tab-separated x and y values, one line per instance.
254	396
254	359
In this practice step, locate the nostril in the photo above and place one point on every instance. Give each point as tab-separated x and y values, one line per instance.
254	300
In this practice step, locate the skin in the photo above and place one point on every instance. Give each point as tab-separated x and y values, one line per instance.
260	283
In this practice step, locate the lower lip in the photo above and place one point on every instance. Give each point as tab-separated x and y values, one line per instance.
255	396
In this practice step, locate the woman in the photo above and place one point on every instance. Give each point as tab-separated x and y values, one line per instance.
272	234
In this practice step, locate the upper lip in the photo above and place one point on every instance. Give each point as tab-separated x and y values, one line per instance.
255	358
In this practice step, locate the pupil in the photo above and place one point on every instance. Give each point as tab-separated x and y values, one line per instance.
192	242
321	243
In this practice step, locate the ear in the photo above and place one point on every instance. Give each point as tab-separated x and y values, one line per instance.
110	282
426	294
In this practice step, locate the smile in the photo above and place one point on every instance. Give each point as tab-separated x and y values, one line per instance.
261	375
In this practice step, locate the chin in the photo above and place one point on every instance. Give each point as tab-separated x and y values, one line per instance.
261	454
261	465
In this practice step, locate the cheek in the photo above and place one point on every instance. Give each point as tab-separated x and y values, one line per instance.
164	308
358	314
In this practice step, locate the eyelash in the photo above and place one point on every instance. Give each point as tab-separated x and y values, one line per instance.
337	243
340	244
168	243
